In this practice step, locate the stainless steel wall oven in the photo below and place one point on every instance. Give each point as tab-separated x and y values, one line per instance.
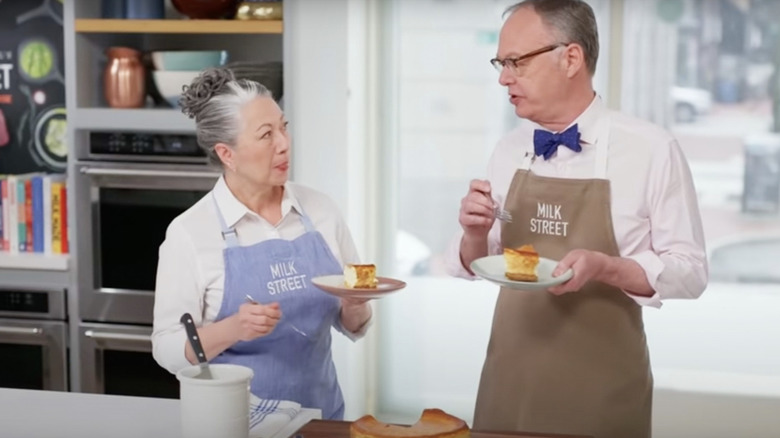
116	359
33	339
126	195
127	209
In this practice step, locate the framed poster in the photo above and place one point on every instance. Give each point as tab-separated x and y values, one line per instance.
32	87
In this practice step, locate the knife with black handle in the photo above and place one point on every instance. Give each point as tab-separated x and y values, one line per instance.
194	339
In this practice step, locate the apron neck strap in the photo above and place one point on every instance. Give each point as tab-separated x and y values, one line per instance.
307	225
602	147
229	233
528	159
602	150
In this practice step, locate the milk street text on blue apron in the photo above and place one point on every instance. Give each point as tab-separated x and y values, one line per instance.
286	364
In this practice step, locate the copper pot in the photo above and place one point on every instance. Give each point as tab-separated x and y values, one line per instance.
124	79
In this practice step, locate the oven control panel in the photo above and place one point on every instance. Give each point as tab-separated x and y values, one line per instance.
22	301
140	144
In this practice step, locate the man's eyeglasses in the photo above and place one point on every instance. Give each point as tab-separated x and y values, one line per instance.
517	65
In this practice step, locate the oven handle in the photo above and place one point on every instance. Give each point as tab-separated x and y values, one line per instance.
104	336
33	331
97	171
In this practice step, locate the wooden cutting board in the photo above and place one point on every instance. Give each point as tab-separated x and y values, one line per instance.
340	429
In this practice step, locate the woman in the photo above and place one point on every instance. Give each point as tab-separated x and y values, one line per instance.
255	234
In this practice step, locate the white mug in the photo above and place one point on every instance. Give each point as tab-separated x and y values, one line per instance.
216	407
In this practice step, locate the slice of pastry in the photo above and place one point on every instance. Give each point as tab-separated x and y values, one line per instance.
521	263
360	276
434	423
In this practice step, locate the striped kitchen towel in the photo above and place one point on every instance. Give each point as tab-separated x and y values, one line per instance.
267	417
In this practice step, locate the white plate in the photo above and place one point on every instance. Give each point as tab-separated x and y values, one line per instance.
334	285
493	268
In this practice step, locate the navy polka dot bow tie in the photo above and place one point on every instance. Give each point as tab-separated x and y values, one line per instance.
546	143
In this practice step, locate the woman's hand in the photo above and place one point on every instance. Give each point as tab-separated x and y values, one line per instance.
355	312
353	302
255	320
250	322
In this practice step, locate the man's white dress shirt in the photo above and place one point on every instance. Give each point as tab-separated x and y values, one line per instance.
191	271
655	211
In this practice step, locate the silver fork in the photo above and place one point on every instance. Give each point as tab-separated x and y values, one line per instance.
249	299
501	214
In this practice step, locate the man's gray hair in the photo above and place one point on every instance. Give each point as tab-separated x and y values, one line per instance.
575	21
214	99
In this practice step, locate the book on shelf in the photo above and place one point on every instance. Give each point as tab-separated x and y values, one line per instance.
33	214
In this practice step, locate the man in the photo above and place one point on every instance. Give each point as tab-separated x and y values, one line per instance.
610	197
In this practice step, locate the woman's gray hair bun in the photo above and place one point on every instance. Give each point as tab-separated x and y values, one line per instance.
214	99
209	83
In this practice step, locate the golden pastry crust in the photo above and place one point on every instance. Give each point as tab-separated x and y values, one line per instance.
521	263
434	423
360	276
522	277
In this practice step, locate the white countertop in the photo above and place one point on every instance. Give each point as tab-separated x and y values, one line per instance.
53	414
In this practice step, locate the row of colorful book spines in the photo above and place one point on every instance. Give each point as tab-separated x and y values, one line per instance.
34	215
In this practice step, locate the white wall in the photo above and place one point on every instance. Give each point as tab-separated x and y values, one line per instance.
646	62
324	94
316	93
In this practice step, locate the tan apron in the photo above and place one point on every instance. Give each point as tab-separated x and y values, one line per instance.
571	364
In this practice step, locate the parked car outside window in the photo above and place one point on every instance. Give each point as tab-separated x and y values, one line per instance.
689	103
748	259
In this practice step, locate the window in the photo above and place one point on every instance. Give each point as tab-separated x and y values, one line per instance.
451	112
703	69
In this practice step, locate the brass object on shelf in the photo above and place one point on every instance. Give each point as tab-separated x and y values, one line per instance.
259	11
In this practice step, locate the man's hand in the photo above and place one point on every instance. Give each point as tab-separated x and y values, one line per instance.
476	210
587	265
622	273
476	218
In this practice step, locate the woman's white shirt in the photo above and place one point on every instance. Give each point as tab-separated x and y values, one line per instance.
191	270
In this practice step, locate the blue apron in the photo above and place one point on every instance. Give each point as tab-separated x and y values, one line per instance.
287	365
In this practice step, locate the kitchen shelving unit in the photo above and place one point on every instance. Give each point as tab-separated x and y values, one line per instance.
87	36
142	119
86	25
37	262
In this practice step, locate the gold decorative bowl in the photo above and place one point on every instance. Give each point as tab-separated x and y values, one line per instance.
259	11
